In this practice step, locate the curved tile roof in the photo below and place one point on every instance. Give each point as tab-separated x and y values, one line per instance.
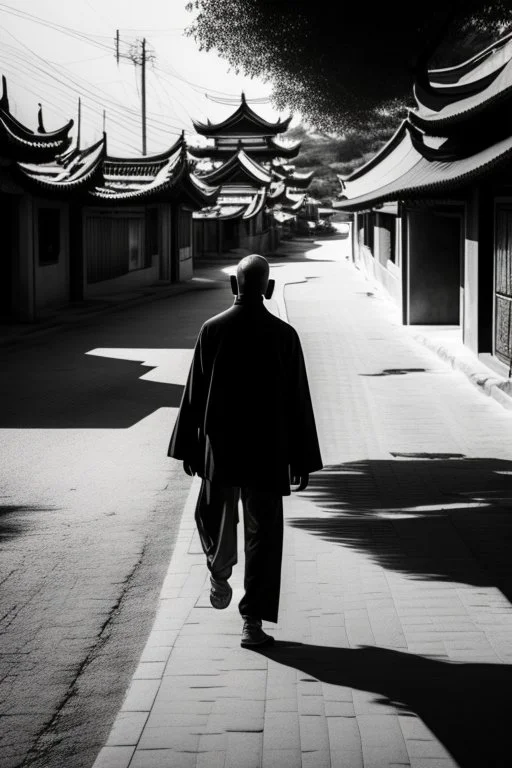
439	108
21	142
239	162
244	120
415	176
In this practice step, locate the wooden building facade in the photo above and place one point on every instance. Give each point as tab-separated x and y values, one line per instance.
432	211
82	224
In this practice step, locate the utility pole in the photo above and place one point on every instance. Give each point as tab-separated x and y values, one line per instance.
143	95
139	58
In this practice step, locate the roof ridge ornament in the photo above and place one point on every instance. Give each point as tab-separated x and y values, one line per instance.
4	100
40	123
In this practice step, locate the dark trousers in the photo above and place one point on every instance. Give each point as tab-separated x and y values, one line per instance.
217	517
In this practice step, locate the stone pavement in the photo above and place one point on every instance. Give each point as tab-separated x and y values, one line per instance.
394	638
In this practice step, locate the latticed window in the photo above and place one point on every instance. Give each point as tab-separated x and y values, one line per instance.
503	283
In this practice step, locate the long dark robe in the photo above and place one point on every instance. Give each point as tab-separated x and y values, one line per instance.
246	417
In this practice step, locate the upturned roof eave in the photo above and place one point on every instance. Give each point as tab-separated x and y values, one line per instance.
402	190
379	156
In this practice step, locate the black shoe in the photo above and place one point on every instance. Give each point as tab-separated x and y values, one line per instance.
220	593
252	634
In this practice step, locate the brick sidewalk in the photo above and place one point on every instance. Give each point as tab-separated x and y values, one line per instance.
394	640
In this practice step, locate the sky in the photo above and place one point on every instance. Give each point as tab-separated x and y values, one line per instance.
53	51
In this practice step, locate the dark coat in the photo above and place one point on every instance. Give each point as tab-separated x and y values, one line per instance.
246	417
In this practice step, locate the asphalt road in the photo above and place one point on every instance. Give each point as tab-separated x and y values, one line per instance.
89	509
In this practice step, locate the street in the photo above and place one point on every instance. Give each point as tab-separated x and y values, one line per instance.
400	547
90	504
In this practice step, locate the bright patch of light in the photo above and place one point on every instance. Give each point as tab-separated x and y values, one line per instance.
168	366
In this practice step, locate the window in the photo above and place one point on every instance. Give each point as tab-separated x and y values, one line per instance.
48	234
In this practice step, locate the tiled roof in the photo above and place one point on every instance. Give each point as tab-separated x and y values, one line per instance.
440	106
80	170
21	143
405	174
244	120
240	161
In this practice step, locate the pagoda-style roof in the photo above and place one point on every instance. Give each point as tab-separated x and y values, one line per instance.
474	70
485	87
281	197
140	167
401	171
17	142
79	170
97	177
263	148
156	181
293	179
239	168
235	202
243	122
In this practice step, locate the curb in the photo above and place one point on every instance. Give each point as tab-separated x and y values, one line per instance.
478	374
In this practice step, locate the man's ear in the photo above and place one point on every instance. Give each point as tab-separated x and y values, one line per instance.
234	284
270	289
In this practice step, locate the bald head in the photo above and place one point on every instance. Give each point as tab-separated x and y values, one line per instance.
252	275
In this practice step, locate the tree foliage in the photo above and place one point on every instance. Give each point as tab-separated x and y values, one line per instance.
341	63
329	155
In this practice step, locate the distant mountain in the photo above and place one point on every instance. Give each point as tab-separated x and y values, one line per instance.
328	154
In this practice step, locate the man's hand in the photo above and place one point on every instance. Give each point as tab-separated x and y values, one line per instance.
301	481
189	469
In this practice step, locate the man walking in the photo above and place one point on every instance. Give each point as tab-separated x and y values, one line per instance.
246	427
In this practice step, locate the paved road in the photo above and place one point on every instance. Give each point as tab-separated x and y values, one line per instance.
88	514
395	629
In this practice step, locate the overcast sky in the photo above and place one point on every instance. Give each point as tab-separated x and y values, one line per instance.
67	49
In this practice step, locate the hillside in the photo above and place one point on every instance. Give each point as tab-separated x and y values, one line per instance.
329	155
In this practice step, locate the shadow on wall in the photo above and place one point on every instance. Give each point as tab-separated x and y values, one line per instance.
466	706
429	517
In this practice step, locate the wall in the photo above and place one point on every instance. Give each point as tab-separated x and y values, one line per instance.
471	257
130	280
165	241
185	245
23	304
434	248
378	266
52	280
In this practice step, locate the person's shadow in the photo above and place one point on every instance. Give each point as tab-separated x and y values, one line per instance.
466	706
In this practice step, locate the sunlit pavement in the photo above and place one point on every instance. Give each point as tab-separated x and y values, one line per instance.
394	640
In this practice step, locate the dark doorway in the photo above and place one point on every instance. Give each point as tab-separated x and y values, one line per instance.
434	247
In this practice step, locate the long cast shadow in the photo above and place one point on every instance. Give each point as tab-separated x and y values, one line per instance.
466	706
439	518
58	385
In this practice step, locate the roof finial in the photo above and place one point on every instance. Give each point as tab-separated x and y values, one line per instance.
243	98
4	101
79	123
40	124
